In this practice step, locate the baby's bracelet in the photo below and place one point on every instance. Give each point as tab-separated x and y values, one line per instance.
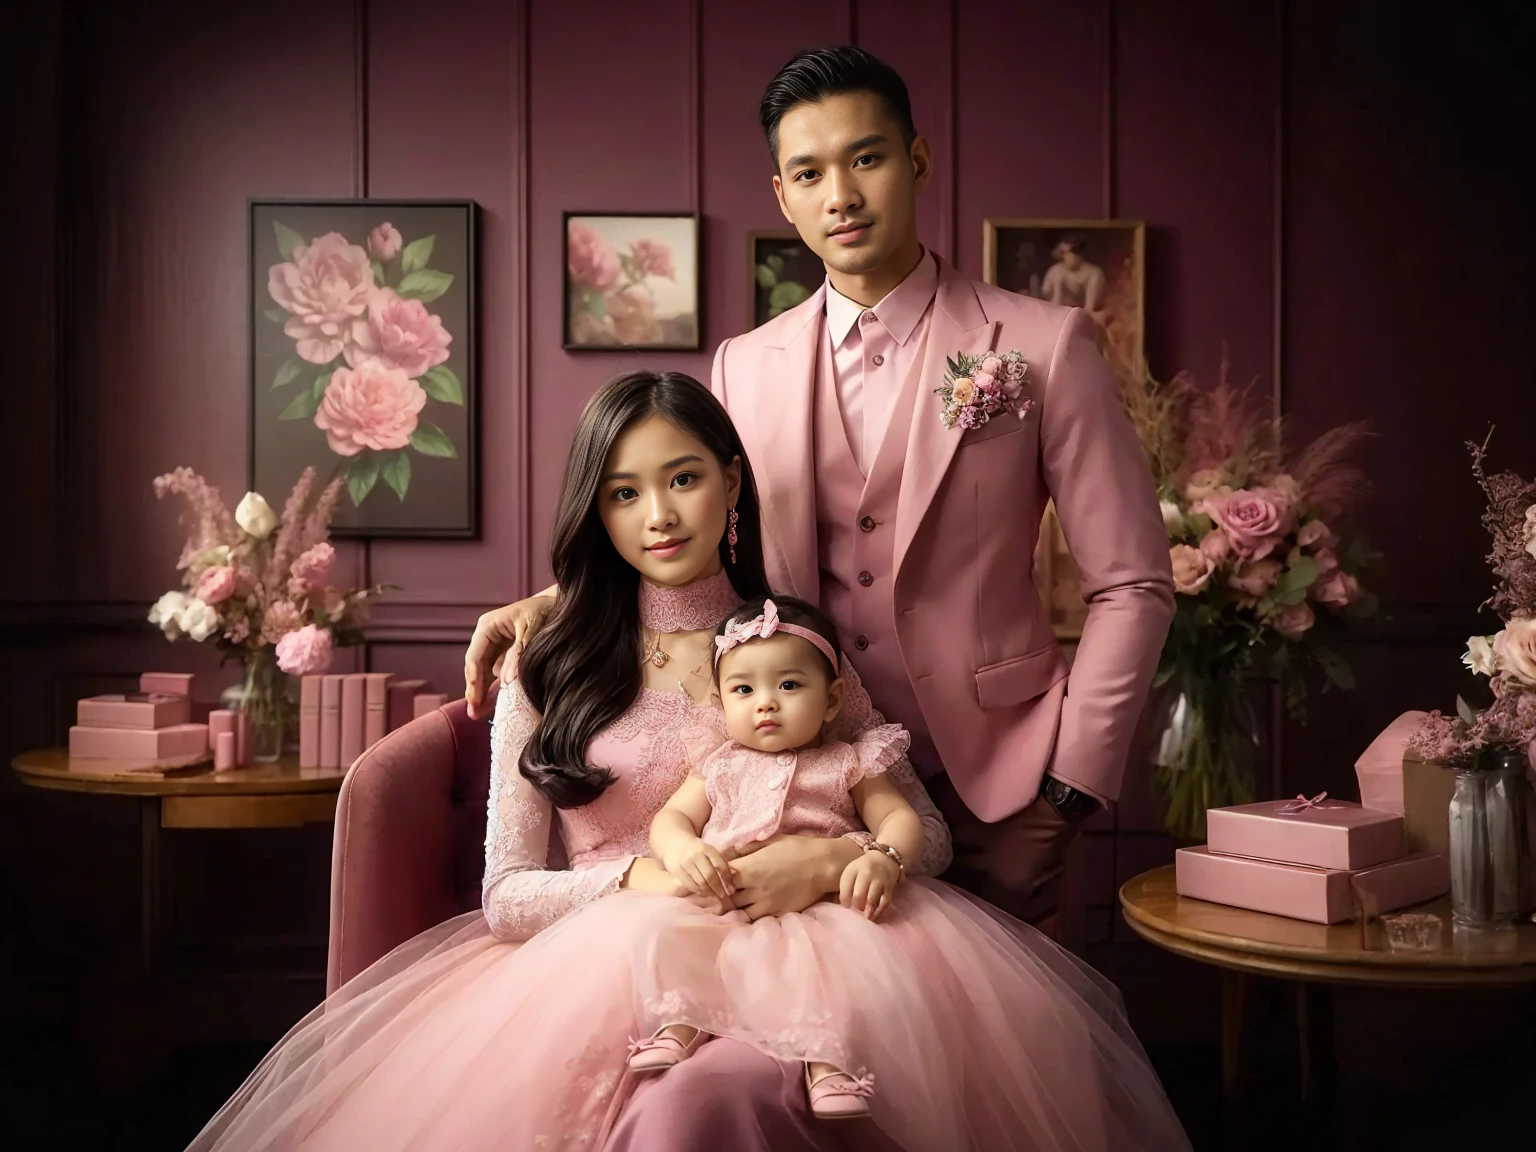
887	850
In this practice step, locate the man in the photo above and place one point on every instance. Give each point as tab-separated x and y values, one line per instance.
918	538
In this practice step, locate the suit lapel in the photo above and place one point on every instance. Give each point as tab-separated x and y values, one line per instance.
784	448
958	325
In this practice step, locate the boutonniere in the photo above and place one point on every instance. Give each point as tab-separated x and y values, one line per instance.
977	388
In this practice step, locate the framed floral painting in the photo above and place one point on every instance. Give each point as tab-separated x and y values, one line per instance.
631	281
363	359
785	272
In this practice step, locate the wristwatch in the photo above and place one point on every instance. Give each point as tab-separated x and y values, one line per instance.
1069	802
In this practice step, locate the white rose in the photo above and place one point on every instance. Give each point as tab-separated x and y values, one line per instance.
1173	519
1530	530
1479	655
255	515
1514	650
166	614
199	620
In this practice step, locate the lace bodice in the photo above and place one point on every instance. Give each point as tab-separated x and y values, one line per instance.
644	750
754	795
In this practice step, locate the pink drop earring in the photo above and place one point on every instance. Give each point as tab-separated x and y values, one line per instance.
730	535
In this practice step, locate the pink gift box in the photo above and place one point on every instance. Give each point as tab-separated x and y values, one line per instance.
1328	834
87	743
174	683
133	710
1322	895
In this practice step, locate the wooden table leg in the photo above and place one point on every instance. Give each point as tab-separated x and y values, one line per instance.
1234	996
149	885
1318	1071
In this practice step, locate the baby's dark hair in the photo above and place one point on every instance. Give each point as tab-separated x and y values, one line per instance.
791	611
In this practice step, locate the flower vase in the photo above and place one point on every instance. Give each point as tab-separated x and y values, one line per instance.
1493	826
264	698
1205	738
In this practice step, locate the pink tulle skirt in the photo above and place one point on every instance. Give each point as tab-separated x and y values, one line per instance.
979	1032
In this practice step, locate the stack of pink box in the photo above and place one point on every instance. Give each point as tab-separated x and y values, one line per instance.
1317	859
342	716
153	724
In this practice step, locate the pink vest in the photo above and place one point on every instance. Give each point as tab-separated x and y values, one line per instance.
856	549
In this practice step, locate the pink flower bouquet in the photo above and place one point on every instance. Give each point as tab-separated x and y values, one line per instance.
258	586
368	353
1263	570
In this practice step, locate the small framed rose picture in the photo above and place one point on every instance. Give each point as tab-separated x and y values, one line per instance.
631	281
362	330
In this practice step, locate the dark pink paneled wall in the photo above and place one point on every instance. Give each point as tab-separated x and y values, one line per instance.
1330	194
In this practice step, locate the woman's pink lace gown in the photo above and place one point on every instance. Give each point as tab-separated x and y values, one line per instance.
508	1030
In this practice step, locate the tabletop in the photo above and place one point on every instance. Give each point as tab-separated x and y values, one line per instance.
1262	944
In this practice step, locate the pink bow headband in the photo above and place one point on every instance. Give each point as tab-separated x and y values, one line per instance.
764	626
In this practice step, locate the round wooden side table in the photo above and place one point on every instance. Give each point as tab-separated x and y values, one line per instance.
1314	958
263	796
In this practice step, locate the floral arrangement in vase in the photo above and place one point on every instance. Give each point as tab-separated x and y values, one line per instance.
1264	570
258	587
368	352
1492	750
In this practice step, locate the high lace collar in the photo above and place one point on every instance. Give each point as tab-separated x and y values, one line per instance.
691	608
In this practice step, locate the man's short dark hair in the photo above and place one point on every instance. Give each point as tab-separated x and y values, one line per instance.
817	73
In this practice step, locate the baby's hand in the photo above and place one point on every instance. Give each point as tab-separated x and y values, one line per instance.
702	869
869	884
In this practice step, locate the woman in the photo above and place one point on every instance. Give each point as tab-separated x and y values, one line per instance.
474	1034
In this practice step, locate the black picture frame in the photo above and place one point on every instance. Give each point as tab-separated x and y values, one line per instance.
274	479
692	344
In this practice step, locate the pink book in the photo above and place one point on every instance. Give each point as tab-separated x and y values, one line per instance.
220	721
428	702
1322	832
354	695
376	714
138	743
172	683
134	710
224	752
330	721
309	722
402	693
1322	895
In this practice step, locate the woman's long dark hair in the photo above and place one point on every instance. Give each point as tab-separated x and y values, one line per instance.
582	671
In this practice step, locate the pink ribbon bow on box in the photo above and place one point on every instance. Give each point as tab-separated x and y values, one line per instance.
1301	804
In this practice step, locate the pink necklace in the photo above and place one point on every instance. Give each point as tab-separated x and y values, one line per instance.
691	608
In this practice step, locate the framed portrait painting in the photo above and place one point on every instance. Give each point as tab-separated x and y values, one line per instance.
363	359
1097	265
631	281
785	273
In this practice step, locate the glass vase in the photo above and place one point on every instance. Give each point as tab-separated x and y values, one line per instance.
1493	825
264	698
1205	738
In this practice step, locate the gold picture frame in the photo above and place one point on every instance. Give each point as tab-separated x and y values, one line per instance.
1035	257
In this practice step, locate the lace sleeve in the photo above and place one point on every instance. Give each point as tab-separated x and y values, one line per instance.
858	716
520	895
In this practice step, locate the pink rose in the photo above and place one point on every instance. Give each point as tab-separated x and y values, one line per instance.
326	286
1192	569
1316	534
311	568
1252	521
1337	589
1216	546
305	652
1293	620
1254	578
985	381
370	406
1514	651
992	365
385	241
651	258
589	260
216	586
1327	562
400	334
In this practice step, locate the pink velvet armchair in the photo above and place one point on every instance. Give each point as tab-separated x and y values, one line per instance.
410	837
